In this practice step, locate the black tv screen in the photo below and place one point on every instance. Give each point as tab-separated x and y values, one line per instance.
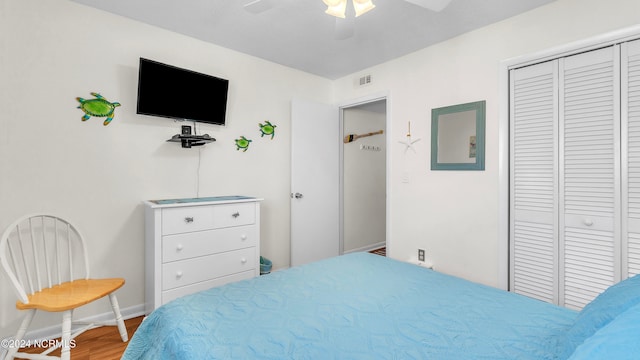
172	92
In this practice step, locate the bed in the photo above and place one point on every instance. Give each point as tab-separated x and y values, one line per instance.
365	306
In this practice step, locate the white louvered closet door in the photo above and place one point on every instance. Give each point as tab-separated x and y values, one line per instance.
589	175
631	157
534	194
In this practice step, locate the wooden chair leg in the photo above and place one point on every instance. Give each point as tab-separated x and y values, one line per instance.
20	334
66	335
119	321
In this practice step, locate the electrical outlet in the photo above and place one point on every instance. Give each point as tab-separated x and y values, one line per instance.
420	254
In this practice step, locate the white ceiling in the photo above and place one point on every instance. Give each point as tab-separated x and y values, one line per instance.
298	34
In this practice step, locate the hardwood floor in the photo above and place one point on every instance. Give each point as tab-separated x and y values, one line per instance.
101	343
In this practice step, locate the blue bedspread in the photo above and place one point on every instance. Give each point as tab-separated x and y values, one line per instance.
357	306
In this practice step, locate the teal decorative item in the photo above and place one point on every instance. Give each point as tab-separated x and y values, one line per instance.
458	137
242	143
99	107
267	129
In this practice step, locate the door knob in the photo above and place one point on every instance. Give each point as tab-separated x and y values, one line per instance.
297	195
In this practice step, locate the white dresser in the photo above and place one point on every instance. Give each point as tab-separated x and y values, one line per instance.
196	244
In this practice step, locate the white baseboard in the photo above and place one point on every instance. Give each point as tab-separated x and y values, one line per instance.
53	332
367	248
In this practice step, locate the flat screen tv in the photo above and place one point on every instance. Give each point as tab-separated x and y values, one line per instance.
172	92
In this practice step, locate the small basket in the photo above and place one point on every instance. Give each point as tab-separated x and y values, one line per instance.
265	265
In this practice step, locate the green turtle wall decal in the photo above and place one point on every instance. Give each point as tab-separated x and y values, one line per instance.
99	107
267	129
242	143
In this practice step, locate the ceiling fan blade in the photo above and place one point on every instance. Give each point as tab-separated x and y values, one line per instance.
434	5
258	6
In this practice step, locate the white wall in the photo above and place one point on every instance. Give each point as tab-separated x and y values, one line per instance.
364	181
52	51
454	214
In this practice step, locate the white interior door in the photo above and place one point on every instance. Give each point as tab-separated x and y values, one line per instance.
589	175
631	158
534	181
315	181
565	177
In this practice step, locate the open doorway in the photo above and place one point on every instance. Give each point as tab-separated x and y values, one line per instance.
364	177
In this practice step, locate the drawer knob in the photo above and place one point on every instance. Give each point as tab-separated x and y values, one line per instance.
235	214
188	219
588	222
179	247
243	260
179	274
243	237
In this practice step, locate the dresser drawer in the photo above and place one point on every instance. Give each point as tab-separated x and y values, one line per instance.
197	218
187	219
234	214
194	244
172	294
186	272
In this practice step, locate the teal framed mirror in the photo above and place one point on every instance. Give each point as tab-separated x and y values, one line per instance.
457	137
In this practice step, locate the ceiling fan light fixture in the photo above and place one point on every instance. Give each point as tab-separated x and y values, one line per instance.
336	8
362	6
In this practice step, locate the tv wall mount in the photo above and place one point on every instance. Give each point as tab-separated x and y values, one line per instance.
188	140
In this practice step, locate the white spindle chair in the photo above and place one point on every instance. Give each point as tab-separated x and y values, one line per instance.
46	260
